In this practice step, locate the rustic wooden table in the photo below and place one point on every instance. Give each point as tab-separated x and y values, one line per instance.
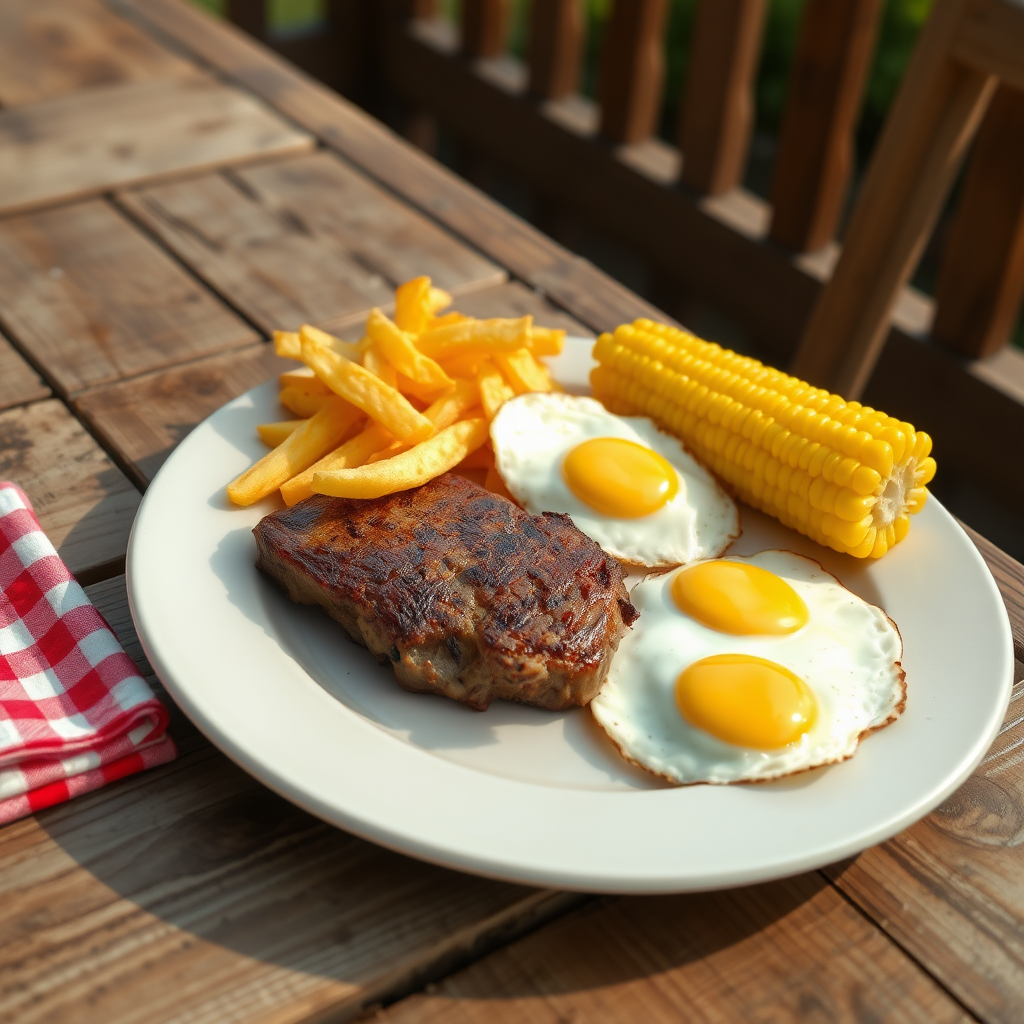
169	193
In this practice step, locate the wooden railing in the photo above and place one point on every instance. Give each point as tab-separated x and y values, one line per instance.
683	208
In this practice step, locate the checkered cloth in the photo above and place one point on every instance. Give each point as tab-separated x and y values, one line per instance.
74	711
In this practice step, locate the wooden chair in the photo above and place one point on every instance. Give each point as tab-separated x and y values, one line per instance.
967	48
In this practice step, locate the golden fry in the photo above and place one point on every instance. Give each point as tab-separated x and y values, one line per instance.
354	452
437	299
494	392
523	372
367	392
377	363
482	458
483	336
546	341
348	349
443	413
273	434
309	442
288	344
446	320
304	379
300	402
411	313
467	365
398	347
412	468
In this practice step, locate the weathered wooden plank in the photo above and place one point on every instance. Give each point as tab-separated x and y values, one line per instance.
791	950
632	70
92	300
92	141
339	203
145	418
303	240
950	890
84	502
19	383
718	109
812	167
53	47
981	279
265	260
555	48
190	893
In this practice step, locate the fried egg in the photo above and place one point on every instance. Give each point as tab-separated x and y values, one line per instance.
747	669
633	489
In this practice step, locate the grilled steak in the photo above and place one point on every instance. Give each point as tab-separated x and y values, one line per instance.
459	590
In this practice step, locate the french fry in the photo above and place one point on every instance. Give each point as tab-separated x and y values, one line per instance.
354	452
365	391
398	347
463	396
422	392
411	313
300	402
467	365
523	372
476	336
446	320
377	363
288	344
304	378
482	458
348	349
546	341
412	468
309	442
437	299
273	434
494	392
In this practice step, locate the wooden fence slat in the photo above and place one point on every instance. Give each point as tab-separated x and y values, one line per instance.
556	48
812	167
981	278
484	27
632	70
718	107
249	15
935	115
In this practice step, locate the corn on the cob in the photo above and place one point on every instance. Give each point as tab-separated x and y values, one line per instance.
843	474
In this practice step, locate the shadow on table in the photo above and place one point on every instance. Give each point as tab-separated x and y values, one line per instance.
201	846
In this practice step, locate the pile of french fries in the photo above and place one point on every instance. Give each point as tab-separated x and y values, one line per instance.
412	400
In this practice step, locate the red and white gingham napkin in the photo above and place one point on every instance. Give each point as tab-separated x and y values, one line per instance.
74	711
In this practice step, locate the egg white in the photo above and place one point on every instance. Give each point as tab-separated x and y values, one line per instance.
848	654
533	433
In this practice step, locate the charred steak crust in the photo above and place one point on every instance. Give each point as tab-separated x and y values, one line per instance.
458	589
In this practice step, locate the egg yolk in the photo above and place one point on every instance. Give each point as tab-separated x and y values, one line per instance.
746	701
739	598
619	478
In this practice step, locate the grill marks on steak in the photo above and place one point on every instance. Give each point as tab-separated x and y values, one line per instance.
459	590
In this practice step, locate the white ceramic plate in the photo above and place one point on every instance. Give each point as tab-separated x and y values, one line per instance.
519	793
